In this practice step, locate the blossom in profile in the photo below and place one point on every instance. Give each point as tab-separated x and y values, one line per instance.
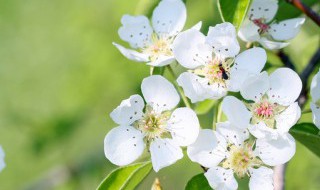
315	103
2	163
151	43
156	126
261	27
214	66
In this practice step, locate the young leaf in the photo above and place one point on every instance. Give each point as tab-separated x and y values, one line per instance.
198	182
308	135
233	11
204	107
127	177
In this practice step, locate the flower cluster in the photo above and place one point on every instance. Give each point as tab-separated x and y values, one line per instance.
254	138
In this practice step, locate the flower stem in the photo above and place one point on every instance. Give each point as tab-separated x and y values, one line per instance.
216	114
184	98
306	111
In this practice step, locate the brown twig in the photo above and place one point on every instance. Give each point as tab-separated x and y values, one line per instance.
314	61
286	60
306	10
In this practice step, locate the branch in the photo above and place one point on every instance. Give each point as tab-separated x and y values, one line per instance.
306	10
286	60
279	177
315	60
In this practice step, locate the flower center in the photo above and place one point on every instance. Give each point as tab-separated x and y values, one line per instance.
153	124
265	111
241	159
216	71
263	27
160	46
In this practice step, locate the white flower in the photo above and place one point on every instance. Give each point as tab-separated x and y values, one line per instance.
315	94
158	126
213	68
228	152
260	27
153	43
272	102
2	163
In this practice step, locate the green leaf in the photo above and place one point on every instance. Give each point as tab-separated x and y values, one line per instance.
287	11
308	135
126	178
204	106
233	11
198	182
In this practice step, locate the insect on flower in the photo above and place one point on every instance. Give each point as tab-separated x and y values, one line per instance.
214	66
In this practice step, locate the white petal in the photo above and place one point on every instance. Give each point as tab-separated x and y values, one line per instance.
223	39
197	26
248	31
162	60
272	45
315	114
123	145
277	151
159	93
131	54
184	126
285	86
209	149
128	111
231	133
169	17
236	112
255	86
135	30
260	130
266	9
198	89
261	178
164	152
315	87
2	163
221	179
287	29
288	118
247	63
190	50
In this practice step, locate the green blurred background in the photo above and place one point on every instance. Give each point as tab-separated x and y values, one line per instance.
60	77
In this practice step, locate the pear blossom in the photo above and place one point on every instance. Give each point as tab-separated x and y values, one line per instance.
156	126
229	152
213	63
2	163
152	44
271	105
315	94
261	27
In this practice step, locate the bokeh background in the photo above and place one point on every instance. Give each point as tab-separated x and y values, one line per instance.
60	77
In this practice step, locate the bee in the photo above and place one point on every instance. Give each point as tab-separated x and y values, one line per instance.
224	73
